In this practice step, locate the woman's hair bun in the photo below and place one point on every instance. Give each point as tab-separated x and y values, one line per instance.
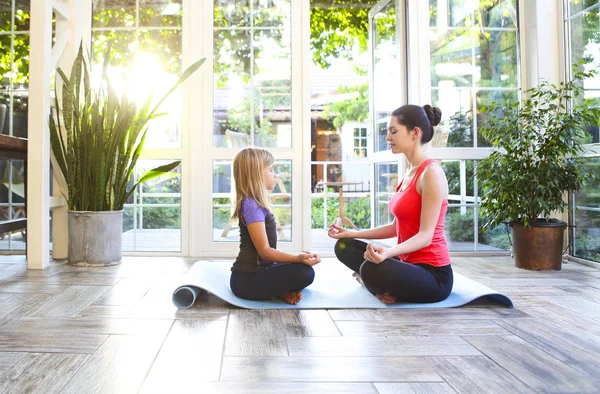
434	114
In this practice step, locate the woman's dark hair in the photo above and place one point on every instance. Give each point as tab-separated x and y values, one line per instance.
424	117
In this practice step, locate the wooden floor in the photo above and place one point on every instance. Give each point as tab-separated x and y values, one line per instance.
84	330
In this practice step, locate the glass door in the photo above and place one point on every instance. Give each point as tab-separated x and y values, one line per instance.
254	104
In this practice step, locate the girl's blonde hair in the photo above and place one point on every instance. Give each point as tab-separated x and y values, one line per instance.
248	166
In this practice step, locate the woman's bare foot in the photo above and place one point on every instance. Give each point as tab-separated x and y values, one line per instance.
386	298
291	298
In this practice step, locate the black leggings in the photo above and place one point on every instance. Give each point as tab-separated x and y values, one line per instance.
271	282
422	283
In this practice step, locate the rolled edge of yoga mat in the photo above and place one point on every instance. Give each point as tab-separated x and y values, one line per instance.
185	296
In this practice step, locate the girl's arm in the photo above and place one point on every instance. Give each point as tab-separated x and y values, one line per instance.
434	190
258	234
381	232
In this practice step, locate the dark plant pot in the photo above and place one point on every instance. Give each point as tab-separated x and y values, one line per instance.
539	246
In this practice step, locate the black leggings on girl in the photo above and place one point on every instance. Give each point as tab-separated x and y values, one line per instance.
271	282
422	283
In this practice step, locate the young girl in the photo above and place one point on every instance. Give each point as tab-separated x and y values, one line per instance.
261	272
418	268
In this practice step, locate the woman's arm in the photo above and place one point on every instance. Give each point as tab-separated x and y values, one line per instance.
381	232
258	234
433	187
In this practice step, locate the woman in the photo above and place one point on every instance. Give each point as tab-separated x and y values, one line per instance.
418	268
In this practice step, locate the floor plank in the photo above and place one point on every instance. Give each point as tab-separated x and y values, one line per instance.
49	326
274	388
190	354
439	327
580	305
50	343
382	347
477	374
31	373
8	359
68	303
414	388
255	333
308	323
579	351
536	368
118	366
128	291
328	369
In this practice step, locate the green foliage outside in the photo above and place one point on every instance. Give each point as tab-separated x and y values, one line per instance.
459	228
357	209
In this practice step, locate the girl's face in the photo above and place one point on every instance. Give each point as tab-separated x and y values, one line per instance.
400	138
270	177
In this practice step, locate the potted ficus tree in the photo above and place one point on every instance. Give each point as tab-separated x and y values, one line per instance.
537	160
97	136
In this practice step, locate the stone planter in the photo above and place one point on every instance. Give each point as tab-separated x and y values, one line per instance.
95	238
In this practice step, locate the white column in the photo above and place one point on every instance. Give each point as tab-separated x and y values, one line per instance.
38	150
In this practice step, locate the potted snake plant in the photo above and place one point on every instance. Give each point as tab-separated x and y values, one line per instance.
97	136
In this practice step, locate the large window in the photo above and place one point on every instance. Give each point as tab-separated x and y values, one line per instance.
144	38
252	72
582	27
14	88
474	63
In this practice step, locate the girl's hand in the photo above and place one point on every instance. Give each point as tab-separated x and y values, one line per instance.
376	254
309	258
336	231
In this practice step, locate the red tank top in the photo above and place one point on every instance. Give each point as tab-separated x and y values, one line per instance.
406	208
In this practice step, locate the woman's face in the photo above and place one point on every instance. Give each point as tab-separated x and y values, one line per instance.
400	138
270	177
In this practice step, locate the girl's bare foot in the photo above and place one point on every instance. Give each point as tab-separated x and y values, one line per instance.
386	298
291	298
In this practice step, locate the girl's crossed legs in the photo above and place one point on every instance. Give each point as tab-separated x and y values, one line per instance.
280	280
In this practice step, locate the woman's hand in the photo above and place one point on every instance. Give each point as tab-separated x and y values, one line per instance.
309	258
336	231
376	254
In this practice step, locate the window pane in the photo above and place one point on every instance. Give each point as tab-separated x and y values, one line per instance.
229	13
576	6
152	218
457	113
114	13
497	59
139	57
451	58
386	76
252	72
353	180
488	97
584	32
386	176
587	217
153	13
271	13
497	14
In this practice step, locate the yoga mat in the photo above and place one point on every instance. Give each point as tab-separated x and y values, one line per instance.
333	288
